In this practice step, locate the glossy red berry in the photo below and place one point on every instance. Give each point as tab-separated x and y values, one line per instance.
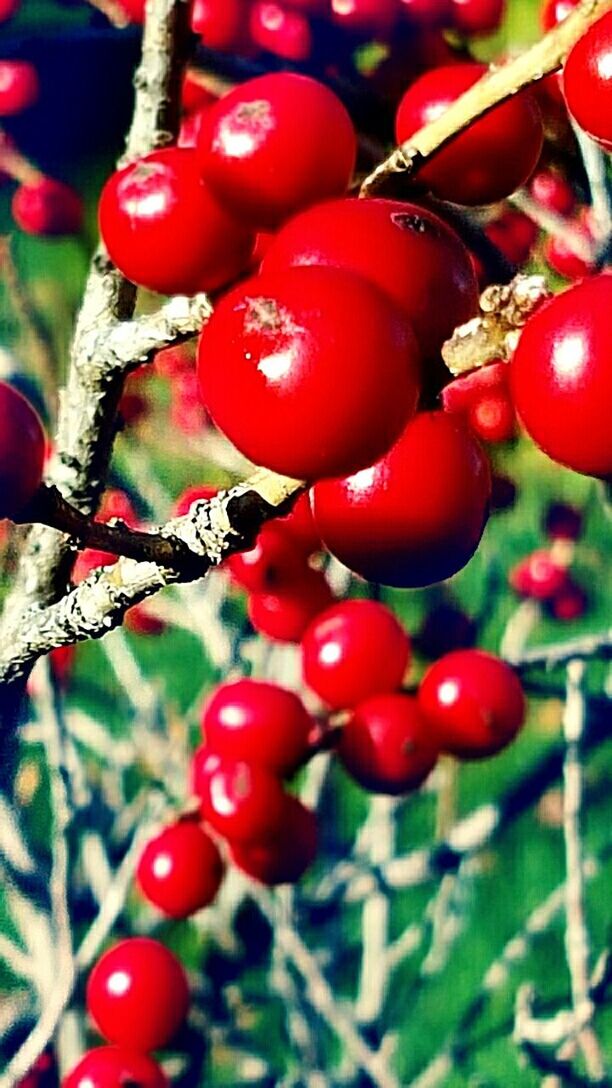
18	86
551	189
514	234
493	418
165	231
538	576
387	746
137	994
301	527
47	207
22	452
220	23
354	650
275	145
587	81
561	380
365	16
563	258
569	604
478	16
555	11
468	389
427	13
180	870
115	1067
243	802
489	160
321	357
258	722
273	563
351	235
284	858
283	617
473	702
133	10
285	33
417	515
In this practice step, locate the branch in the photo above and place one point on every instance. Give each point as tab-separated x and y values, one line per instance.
559	653
496	86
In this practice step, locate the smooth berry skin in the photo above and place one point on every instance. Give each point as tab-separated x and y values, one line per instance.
423	259
115	1067
322	358
555	11
478	16
587	81
190	495
365	16
492	418
387	746
284	858
427	13
287	34
474	703
514	234
562	258
220	23
137	994
242	801
552	190
19	86
47	207
488	161
22	452
354	650
284	617
273	563
561	379
416	516
538	576
468	389
165	231
180	870
275	145
260	723
299	524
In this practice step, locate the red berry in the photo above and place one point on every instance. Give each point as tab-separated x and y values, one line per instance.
564	260
309	7
561	379
587	81
243	801
62	662
220	23
514	234
8	8
165	231
47	207
133	10
22	452
478	16
137	994
140	621
285	33
284	858
273	563
195	96
18	86
555	11
493	418
551	189
352	235
488	161
321	358
463	392
417	515
569	604
354	650
115	1067
473	702
285	616
258	722
89	560
190	495
365	16
387	746
180	870
538	576
276	144
301	527
427	13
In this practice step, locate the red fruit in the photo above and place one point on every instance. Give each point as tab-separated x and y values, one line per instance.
137	994
273	563
285	33
140	621
89	560
220	23
478	16
569	604
489	160
551	189
365	16
195	95
387	746
22	452
417	515
514	234
463	392
174	361
116	504
301	527
285	616
134	10
555	11
115	1067
563	522
62	663
538	576
19	87
274	145
190	495
190	128
564	260
47	207
427	13
284	858
351	235
258	722
587	81
354	650
165	231
473	702
309	7
180	870
561	379
8	8
242	801
493	418
321	358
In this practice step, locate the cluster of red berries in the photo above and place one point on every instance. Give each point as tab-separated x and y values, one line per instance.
545	575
